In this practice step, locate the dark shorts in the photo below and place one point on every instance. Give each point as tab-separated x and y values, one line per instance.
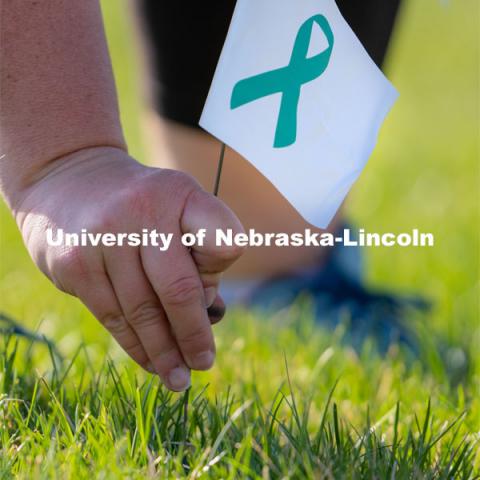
187	38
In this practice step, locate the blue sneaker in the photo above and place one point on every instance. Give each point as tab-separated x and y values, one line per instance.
338	291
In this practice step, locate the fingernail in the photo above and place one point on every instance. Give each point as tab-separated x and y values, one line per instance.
210	295
216	311
179	378
204	360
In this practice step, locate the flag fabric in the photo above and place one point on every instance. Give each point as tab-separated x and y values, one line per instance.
297	95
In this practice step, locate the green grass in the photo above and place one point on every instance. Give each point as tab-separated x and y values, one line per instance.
87	418
335	412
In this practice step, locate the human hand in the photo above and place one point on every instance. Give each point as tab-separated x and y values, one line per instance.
153	303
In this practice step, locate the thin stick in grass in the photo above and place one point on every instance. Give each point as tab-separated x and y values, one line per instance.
216	188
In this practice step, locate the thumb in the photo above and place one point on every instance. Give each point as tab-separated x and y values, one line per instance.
204	211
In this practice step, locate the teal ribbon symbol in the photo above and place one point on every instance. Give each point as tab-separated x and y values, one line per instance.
288	80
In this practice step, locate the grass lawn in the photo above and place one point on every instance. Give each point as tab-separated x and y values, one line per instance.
286	399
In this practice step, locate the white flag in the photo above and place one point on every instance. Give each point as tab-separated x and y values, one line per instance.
297	95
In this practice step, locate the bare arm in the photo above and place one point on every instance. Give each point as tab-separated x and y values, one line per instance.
57	90
64	165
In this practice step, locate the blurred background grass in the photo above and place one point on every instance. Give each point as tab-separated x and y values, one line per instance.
424	174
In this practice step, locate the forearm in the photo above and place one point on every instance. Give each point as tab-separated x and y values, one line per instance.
57	93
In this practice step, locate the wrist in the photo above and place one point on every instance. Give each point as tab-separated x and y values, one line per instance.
17	189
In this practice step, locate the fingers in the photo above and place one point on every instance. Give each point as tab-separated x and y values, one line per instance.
216	311
98	296
176	281
160	306
145	315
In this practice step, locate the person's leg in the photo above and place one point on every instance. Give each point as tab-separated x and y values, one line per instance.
185	43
